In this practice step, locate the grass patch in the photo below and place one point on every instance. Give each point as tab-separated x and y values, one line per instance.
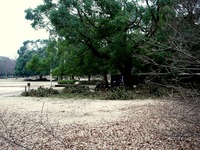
66	81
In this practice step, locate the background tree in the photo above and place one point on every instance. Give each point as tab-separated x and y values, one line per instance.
74	61
25	55
39	63
32	59
7	66
56	58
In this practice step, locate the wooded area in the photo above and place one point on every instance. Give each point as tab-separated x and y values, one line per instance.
89	37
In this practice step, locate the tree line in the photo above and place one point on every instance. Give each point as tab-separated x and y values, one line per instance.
89	37
7	66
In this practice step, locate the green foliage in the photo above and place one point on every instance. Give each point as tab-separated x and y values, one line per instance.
40	92
57	53
115	93
120	93
56	71
25	55
66	81
39	63
98	40
95	37
32	59
77	61
77	89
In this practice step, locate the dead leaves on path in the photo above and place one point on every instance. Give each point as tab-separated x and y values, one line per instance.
155	126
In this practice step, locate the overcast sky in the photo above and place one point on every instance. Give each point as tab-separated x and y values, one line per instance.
14	28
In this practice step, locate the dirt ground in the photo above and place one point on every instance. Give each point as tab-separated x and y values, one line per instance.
52	123
60	110
70	110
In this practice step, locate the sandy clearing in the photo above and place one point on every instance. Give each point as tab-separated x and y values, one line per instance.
67	111
64	111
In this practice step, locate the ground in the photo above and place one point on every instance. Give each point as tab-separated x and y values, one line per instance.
53	123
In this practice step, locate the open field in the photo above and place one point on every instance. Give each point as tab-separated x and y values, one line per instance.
53	123
12	86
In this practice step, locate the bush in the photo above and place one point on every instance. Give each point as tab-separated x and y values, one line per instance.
140	92
40	92
66	81
76	89
119	93
115	93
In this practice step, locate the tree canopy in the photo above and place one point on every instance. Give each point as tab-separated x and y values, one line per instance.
128	36
32	59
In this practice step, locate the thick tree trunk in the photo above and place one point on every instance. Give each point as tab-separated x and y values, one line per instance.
127	74
128	81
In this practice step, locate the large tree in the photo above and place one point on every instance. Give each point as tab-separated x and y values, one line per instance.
132	36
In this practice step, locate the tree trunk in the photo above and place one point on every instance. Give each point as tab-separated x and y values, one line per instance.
127	77
40	77
72	77
89	77
105	80
61	77
127	74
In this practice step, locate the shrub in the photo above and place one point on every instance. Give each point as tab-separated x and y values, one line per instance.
76	89
119	93
40	92
66	81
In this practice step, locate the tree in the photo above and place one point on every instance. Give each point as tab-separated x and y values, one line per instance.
25	54
7	66
72	61
129	35
32	59
176	44
39	62
56	57
185	39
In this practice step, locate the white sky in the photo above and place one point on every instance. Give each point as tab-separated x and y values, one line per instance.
14	28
